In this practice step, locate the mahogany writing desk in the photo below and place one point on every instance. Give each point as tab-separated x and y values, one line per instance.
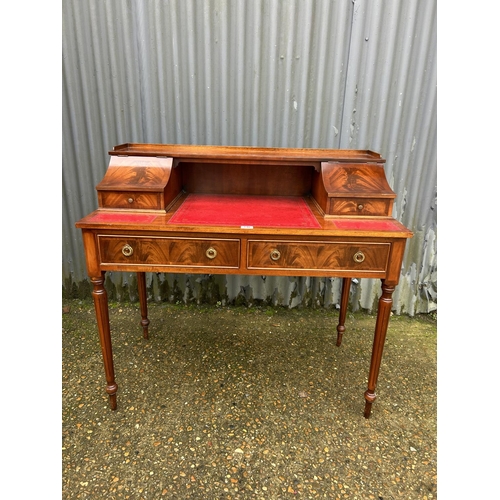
243	210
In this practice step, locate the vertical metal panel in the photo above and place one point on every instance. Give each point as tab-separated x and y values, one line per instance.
348	74
390	106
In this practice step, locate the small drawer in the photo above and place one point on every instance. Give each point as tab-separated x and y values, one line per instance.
134	200
169	252
318	255
361	206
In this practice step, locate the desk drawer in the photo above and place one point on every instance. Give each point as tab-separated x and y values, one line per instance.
361	206
174	252
133	200
318	255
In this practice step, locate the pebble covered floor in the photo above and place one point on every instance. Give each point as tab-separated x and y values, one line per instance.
247	403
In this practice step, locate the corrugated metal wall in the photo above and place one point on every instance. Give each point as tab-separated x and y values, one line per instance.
322	74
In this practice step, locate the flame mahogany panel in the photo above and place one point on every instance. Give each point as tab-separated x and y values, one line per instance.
317	255
163	251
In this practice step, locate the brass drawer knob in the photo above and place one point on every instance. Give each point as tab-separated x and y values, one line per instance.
275	254
359	257
127	250
211	253
131	200
361	206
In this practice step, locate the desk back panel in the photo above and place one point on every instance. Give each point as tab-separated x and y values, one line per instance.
258	179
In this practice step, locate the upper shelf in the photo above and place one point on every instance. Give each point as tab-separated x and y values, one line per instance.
243	153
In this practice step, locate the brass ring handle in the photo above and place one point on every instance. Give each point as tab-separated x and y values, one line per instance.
127	250
211	253
275	254
359	257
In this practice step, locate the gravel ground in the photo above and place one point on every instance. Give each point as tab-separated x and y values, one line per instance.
244	403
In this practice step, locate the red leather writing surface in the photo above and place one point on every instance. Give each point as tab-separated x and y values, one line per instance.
125	217
245	210
368	225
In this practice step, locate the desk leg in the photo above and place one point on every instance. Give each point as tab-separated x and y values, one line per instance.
344	300
143	301
102	315
383	314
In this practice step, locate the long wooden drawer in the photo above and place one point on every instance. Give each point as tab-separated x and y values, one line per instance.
173	252
317	255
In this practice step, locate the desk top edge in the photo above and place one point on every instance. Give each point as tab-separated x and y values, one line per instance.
161	224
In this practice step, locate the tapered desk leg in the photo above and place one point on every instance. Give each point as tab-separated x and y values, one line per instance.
102	315
383	314
143	301
344	300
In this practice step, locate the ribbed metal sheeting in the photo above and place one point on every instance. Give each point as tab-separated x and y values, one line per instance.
301	73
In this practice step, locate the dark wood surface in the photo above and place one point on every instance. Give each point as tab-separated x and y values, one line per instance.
341	188
244	153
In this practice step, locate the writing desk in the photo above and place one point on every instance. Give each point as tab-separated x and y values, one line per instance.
242	210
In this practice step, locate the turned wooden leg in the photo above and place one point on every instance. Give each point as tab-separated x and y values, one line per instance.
383	314
102	315
143	301
344	300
